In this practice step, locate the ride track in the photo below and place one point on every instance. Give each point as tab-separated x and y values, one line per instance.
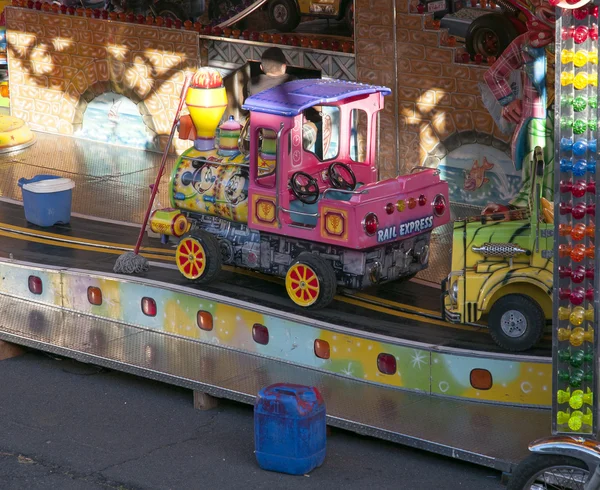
434	360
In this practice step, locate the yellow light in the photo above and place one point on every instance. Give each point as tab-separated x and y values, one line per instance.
400	205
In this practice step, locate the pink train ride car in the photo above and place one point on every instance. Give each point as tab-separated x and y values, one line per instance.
304	202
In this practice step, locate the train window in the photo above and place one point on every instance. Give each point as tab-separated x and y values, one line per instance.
267	158
358	135
321	131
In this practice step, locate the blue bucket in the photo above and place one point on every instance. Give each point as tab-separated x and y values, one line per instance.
290	431
47	199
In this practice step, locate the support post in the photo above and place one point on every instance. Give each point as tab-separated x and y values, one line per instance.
8	350
204	401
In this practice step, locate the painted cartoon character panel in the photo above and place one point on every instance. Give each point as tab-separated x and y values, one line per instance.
216	189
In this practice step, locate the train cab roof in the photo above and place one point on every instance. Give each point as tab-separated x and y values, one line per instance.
290	99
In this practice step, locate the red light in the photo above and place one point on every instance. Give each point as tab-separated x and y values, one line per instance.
35	285
370	224
148	306
386	363
94	296
260	334
322	349
204	320
412	203
439	205
389	208
481	379
422	200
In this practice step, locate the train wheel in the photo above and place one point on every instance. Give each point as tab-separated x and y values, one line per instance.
310	282
516	322
198	257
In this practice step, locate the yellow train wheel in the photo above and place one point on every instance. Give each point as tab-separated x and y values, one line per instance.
191	258
310	281
302	285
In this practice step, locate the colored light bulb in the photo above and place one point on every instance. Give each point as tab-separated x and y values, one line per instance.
562	418
581	34
580	58
563	396
580	168
579	188
593	124
564	230
564	250
577	295
566	100
564	334
577	359
564	293
564	208
579	211
566	144
591	209
590	252
564	312
589	273
580	126
589	314
578	275
566	78
592	145
577	316
566	122
579	103
565	186
567	33
580	147
564	271
590	230
593	99
567	56
578	232
591	187
575	421
593	79
566	165
578	253
591	166
593	56
578	398
593	33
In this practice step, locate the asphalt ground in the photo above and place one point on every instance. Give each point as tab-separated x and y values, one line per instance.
69	426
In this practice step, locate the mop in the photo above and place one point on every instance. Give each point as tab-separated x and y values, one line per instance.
132	262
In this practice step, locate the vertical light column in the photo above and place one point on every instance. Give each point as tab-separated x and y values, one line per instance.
575	358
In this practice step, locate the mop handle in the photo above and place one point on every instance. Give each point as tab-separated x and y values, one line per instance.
186	84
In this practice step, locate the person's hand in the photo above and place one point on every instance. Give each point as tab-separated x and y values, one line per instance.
512	112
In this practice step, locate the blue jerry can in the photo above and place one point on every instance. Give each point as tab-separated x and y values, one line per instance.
290	431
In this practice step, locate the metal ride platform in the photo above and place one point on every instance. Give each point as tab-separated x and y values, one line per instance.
429	402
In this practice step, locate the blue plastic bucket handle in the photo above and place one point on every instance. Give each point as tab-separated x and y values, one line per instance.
38	178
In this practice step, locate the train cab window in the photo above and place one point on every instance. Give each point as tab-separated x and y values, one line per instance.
267	157
321	131
358	135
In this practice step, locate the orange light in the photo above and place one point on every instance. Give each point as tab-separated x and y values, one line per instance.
412	203
322	349
204	320
401	205
94	296
564	230
481	379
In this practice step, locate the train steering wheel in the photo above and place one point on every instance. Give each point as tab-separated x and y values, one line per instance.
341	176
305	187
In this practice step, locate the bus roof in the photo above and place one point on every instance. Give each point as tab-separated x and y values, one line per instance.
290	99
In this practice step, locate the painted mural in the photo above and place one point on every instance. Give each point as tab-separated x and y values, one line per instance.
480	174
114	119
217	321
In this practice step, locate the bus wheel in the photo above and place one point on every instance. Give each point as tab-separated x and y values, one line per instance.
310	281
198	257
516	322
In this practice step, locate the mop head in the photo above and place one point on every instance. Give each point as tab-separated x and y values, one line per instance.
131	263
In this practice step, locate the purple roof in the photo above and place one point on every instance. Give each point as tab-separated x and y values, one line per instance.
292	98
